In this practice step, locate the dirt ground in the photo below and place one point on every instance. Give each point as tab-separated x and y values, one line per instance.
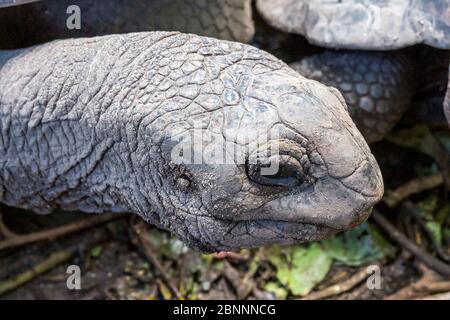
122	271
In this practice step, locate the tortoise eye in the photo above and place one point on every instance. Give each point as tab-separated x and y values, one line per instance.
279	171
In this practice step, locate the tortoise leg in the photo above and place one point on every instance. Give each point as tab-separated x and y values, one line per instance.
377	86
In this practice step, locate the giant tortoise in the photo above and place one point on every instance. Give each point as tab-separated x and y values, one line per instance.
146	123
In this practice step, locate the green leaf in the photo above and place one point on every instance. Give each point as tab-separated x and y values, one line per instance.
435	230
300	268
275	288
358	246
96	251
177	247
425	209
167	246
380	244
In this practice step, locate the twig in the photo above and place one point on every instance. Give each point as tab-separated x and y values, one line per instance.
4	230
420	288
435	287
393	198
401	239
230	255
139	230
408	205
410	291
441	296
242	285
19	240
51	262
339	288
164	290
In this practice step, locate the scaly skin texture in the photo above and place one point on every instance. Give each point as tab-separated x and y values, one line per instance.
362	24
88	124
377	86
35	23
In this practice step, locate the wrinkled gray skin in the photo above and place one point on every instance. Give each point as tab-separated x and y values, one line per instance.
86	124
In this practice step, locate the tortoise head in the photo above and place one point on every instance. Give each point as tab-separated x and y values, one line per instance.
272	158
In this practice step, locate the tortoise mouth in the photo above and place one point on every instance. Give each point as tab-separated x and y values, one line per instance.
319	223
262	232
251	233
339	219
291	230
